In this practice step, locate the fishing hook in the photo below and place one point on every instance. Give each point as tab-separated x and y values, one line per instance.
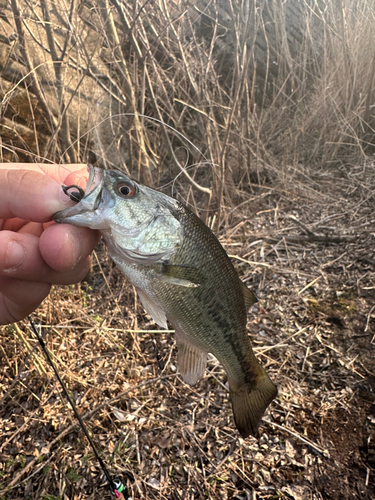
74	196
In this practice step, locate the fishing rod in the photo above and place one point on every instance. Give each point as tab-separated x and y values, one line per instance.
116	486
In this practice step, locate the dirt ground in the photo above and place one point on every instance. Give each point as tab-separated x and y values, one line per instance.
309	253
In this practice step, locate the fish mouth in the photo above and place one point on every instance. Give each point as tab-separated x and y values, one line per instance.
88	203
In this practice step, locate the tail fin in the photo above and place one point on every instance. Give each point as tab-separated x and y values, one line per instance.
250	403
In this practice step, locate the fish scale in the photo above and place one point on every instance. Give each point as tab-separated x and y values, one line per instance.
182	275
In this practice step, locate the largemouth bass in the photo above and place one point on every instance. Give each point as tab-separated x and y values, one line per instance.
182	275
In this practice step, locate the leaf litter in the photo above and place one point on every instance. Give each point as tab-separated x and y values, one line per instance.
313	330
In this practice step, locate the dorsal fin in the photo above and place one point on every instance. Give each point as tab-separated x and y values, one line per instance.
250	297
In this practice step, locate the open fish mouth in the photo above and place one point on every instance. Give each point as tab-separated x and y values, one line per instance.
87	200
95	176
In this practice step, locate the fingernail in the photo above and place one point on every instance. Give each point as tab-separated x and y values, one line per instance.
15	255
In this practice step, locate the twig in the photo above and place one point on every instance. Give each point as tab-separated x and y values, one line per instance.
27	421
106	14
126	25
37	89
305	228
311	236
367	114
368	318
314	237
367	476
22	472
327	264
309	285
38	363
66	431
63	121
261	350
250	262
309	443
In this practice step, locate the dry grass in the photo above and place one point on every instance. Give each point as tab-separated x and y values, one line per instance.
282	163
159	87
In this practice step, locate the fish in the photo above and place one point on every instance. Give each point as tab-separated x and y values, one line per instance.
182	276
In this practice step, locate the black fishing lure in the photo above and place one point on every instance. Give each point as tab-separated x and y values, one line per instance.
75	196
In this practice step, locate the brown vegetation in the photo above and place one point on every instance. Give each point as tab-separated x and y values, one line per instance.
280	165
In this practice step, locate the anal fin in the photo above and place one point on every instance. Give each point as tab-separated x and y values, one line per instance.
192	360
155	311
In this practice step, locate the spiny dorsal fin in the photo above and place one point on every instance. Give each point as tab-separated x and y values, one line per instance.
181	275
250	297
191	359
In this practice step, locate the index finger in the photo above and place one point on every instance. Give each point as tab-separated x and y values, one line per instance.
33	192
54	170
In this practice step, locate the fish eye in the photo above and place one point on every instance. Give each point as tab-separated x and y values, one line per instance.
126	189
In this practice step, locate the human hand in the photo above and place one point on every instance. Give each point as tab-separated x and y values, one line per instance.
35	252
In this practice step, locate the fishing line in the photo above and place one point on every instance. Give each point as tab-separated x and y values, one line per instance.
76	196
117	488
163	124
150	118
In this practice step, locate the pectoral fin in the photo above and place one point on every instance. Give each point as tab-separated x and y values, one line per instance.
155	311
181	275
191	359
250	297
